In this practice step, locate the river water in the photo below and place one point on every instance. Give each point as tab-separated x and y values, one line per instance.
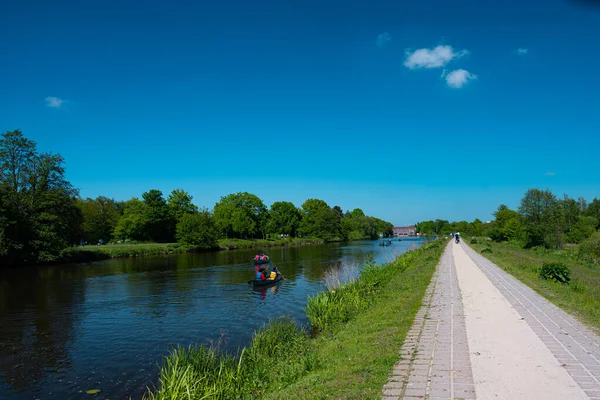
107	325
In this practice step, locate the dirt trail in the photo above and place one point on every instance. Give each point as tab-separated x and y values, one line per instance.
508	359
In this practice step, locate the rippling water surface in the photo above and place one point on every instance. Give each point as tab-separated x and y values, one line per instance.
107	325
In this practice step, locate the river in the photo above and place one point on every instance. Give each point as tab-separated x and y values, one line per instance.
107	325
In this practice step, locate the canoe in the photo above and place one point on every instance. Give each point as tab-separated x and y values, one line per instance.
268	260
259	282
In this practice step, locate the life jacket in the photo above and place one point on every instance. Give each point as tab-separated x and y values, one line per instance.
257	257
263	276
273	275
258	275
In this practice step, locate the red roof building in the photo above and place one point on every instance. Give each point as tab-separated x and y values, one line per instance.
405	230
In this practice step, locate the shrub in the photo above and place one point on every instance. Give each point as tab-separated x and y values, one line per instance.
473	241
555	271
589	249
487	250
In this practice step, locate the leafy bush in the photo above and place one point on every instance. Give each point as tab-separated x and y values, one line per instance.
473	241
555	271
589	249
487	250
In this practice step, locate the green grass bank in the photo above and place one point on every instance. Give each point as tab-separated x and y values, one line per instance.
580	297
105	252
357	332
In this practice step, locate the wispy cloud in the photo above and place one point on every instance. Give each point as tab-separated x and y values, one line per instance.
383	40
432	58
550	173
458	78
522	50
54	102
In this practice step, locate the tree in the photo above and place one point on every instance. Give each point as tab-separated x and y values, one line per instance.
240	215
593	210
507	224
198	230
180	203
319	220
39	216
541	218
100	218
132	225
159	224
284	218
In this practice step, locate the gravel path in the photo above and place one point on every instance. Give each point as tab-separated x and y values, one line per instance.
483	334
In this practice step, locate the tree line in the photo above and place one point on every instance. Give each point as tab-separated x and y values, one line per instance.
543	219
41	213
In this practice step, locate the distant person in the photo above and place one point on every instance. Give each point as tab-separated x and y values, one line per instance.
257	257
457	236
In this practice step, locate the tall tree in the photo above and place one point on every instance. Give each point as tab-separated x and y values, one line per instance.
180	203
541	218
160	225
240	215
284	218
40	217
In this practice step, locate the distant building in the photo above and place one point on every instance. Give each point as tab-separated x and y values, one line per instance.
405	230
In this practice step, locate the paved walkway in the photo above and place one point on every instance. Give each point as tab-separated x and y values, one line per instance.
435	363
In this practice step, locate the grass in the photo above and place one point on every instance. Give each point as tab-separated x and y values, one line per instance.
95	252
581	297
278	354
350	358
227	244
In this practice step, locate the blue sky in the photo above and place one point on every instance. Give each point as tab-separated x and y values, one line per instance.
408	110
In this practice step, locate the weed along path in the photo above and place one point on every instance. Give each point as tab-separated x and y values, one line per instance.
482	334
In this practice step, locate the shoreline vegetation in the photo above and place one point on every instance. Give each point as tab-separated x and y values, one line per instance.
348	350
87	253
42	217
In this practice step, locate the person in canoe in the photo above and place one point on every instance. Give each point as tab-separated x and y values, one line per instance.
261	274
257	257
274	273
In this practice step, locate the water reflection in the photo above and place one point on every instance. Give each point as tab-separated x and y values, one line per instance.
106	325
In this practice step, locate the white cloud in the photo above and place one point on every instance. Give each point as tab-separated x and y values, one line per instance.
458	77
383	40
54	102
432	58
522	50
550	173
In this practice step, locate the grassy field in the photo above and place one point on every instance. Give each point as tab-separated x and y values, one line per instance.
580	298
350	358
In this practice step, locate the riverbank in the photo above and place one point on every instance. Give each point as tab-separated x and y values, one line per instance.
359	330
96	253
580	297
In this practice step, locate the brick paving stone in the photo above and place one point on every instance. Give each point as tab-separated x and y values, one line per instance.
434	360
567	339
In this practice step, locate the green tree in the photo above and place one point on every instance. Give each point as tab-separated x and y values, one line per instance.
582	229
593	210
240	215
198	230
100	218
541	218
39	216
320	220
132	225
180	203
284	218
159	223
